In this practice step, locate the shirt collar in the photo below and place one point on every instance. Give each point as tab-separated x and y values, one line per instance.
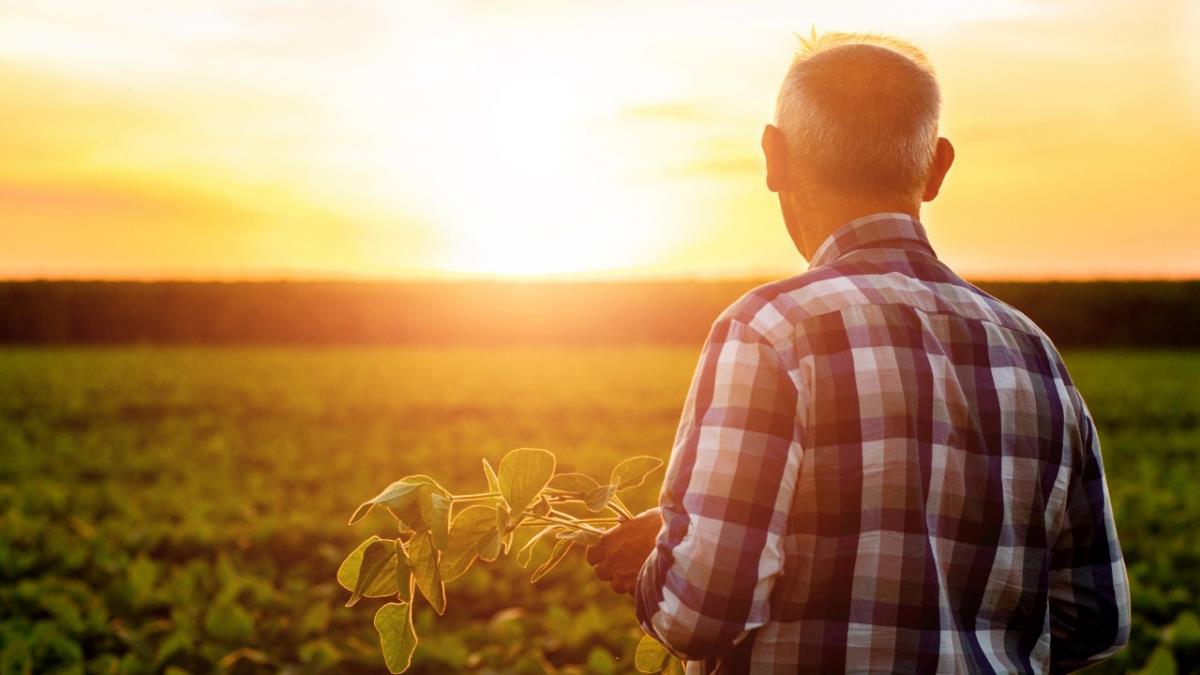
878	230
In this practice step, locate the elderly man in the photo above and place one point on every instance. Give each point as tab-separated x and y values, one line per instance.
879	467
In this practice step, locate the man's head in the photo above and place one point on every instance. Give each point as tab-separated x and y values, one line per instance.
856	131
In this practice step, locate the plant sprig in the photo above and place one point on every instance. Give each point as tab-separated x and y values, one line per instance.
442	534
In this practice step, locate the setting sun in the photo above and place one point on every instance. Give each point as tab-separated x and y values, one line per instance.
531	139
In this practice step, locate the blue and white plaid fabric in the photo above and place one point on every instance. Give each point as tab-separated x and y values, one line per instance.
881	468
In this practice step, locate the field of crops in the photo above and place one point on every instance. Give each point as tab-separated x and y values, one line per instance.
183	509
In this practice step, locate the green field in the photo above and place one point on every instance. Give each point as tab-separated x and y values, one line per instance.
183	510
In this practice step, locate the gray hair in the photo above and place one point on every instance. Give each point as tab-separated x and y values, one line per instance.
859	112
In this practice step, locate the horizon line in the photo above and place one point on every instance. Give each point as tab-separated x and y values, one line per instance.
533	280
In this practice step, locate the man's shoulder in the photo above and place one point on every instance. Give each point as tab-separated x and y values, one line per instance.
779	306
788	300
1012	317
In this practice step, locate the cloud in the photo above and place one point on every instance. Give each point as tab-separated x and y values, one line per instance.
30	204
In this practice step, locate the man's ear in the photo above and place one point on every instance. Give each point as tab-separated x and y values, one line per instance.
943	157
776	154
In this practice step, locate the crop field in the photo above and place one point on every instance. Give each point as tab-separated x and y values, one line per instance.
172	510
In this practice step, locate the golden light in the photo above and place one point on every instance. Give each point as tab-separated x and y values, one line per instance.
555	139
524	165
541	141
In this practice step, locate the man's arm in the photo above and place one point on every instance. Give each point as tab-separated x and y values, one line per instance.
1089	591
725	499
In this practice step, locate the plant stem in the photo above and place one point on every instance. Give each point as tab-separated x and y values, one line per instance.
475	497
573	518
583	521
575	524
617	505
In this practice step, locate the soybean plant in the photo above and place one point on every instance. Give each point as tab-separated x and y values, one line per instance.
442	534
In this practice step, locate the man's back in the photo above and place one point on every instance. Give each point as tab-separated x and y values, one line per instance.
882	468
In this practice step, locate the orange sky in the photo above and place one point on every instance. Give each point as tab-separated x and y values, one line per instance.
147	139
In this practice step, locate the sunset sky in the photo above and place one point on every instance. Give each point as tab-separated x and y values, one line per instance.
596	139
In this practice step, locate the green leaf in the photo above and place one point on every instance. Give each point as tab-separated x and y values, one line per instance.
426	480
361	512
1185	632
347	574
403	573
229	623
383	585
598	498
398	496
439	520
172	644
397	637
423	558
231	659
375	558
492	481
1161	662
632	472
408	499
470	526
489	547
502	517
575	483
525	554
561	548
418	514
523	474
651	656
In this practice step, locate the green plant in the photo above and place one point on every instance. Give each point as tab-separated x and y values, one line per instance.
442	534
111	456
652	657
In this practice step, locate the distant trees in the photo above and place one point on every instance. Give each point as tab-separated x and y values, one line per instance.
1100	314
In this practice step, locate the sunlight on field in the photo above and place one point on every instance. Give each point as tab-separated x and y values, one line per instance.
186	507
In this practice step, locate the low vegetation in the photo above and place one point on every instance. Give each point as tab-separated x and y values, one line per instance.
183	510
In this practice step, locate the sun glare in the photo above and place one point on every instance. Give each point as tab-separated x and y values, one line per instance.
543	139
519	150
526	165
522	189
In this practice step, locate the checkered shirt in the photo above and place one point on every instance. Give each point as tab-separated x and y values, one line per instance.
881	468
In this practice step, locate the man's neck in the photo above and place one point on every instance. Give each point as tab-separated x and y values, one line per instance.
819	224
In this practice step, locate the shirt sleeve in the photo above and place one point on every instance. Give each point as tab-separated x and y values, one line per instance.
725	499
1089	590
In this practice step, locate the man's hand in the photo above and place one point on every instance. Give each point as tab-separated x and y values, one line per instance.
620	554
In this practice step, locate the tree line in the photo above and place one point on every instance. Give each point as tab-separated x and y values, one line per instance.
1074	314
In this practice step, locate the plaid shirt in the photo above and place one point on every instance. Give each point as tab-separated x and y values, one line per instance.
882	468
